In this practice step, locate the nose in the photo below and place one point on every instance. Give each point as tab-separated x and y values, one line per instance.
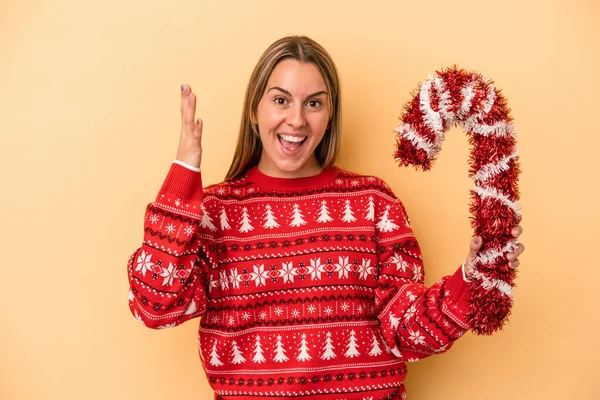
296	118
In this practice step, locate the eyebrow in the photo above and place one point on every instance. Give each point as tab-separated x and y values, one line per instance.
289	94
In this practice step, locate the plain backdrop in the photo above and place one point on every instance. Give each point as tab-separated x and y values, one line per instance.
89	124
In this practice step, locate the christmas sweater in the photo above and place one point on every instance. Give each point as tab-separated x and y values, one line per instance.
309	287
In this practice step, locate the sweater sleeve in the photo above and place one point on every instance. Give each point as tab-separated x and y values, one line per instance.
167	274
416	321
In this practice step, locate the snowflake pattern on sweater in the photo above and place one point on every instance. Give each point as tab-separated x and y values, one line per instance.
308	287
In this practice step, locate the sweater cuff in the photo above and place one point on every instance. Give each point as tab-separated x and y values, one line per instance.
458	297
182	183
460	291
188	166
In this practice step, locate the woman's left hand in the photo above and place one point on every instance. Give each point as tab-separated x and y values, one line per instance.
513	258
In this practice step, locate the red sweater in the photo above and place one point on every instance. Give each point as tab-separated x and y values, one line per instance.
306	287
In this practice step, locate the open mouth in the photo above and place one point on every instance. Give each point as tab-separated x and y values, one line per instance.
291	144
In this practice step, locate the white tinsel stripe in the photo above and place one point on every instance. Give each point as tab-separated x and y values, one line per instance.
409	133
474	119
465	105
445	101
490	170
490	256
488	283
500	129
488	191
431	118
491	97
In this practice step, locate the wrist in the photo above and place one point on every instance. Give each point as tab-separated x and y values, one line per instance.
466	273
191	161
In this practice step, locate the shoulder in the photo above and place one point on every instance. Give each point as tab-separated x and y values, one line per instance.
228	190
359	182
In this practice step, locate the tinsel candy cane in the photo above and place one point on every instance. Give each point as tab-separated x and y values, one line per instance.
452	97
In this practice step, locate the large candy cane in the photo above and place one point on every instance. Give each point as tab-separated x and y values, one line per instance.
455	96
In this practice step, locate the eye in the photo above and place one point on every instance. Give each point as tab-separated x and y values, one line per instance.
314	103
280	101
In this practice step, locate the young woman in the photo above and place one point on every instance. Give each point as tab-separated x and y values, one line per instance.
307	278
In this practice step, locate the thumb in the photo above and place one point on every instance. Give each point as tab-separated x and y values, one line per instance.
476	244
474	247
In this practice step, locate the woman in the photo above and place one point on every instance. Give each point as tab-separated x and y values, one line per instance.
307	279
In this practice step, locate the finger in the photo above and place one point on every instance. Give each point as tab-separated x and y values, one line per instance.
198	128
517	230
475	245
520	249
188	108
514	264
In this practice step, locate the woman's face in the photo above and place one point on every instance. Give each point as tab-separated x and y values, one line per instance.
292	117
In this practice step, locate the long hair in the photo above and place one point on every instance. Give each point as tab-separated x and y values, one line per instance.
249	147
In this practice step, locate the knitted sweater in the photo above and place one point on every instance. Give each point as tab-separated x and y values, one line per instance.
307	287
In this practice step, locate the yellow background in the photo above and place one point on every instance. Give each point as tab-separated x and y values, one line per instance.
89	123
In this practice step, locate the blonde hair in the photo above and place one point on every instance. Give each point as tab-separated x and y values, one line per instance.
249	147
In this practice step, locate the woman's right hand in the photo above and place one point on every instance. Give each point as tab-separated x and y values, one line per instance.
190	141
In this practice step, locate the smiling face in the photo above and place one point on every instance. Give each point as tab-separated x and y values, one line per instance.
292	116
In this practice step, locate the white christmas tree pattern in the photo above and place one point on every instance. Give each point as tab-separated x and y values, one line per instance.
224	219
258	352
370	210
280	351
394	322
352	350
385	345
206	220
385	224
375	349
328	354
348	213
245	223
324	213
303	355
297	219
238	358
214	357
191	308
270	220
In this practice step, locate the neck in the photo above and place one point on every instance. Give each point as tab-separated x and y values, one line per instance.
310	168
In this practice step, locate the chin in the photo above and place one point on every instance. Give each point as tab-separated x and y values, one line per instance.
290	165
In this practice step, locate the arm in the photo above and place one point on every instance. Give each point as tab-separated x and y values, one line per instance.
167	273
416	321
